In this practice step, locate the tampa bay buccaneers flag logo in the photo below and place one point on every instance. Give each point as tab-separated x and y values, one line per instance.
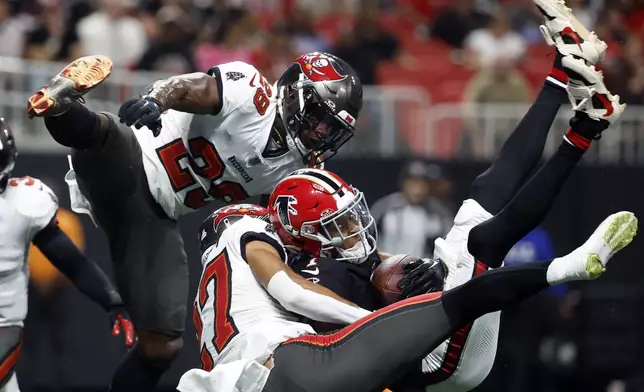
318	67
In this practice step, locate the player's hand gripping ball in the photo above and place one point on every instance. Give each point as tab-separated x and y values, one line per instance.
142	112
404	276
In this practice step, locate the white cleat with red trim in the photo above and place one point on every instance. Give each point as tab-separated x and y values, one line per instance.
588	93
561	29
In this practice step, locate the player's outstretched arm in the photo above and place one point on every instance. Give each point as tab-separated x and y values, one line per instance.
295	293
197	93
86	275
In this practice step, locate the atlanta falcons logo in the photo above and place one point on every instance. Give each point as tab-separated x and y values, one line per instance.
318	67
285	208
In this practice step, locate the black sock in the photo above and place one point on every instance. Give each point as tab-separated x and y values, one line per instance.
490	241
520	154
494	290
137	373
78	128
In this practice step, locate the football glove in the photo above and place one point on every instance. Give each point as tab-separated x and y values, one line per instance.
142	112
120	321
422	276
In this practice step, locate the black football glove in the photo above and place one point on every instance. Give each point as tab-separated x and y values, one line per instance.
120	321
422	276
142	112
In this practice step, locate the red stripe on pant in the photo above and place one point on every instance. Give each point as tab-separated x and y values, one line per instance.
336	337
9	361
455	346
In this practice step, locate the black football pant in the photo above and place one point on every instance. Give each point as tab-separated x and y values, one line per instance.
371	354
519	206
150	264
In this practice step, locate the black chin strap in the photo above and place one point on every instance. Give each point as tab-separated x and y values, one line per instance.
276	145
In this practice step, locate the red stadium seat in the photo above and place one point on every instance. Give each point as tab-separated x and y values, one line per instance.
426	48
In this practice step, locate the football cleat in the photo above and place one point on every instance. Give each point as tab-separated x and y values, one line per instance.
75	80
588	93
612	235
562	30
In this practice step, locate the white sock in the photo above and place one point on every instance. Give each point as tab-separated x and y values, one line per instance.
562	270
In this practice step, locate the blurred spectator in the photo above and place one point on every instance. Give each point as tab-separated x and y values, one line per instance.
229	41
495	42
501	83
13	30
54	37
170	52
278	55
113	32
300	27
615	22
582	12
525	19
367	45
625	74
455	22
410	220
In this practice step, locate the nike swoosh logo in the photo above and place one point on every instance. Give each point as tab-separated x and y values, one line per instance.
607	104
571	33
316	271
252	81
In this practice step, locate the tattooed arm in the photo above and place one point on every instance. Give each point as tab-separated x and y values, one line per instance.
198	93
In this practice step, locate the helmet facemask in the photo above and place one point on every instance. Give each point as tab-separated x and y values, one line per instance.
349	232
312	126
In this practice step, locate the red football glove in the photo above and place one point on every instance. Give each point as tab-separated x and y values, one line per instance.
121	321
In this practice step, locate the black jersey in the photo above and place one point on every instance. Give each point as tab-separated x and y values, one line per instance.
350	281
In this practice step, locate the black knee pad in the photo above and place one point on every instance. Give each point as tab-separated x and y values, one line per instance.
159	347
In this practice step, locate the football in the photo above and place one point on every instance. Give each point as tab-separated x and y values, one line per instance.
386	276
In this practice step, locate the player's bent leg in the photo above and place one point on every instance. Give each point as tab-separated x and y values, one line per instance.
10	348
150	264
523	149
596	109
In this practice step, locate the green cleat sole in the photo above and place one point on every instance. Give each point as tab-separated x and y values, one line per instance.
621	231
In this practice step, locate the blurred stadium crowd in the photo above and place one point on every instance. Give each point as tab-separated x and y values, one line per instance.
484	50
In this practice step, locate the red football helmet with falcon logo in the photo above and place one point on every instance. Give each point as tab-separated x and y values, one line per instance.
319	99
215	224
317	212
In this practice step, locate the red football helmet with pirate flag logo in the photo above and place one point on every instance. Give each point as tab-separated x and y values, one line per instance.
319	99
317	212
215	224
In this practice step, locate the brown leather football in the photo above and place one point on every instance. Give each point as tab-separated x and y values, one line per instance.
386	276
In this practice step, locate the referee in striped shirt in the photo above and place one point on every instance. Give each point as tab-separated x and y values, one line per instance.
410	220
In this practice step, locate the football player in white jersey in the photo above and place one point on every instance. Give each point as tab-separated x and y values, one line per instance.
251	340
28	213
465	360
226	134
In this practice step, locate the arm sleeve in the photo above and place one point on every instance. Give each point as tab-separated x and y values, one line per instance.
84	273
297	299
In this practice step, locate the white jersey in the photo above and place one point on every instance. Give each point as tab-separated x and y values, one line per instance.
200	158
234	316
26	207
464	360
